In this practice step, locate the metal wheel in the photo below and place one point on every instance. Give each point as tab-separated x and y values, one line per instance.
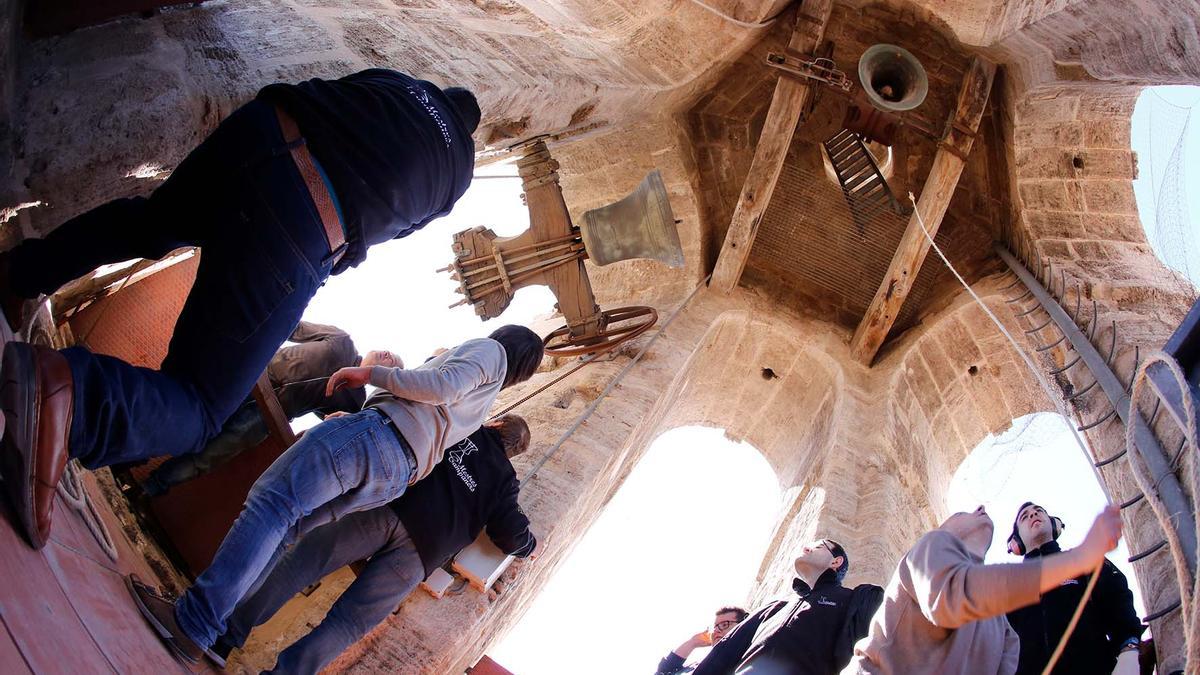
616	326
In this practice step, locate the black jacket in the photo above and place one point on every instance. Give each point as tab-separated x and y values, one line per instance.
673	664
474	487
300	398
812	634
394	148
1108	621
300	372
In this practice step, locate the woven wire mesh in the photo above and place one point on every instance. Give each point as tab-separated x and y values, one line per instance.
808	247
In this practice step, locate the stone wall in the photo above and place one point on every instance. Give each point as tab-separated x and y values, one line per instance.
1072	178
107	106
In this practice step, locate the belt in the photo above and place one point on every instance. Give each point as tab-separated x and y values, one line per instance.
408	451
318	189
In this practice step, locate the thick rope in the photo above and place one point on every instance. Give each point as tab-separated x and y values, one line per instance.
1191	610
1058	405
71	489
739	22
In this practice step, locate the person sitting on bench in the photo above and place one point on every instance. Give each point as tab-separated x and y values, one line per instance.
299	374
344	465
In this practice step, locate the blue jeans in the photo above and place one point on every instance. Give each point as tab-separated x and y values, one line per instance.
264	253
244	430
392	572
347	464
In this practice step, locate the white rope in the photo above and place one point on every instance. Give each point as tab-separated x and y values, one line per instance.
1037	373
1058	405
739	22
71	489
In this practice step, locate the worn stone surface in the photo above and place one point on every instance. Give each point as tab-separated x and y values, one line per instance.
862	455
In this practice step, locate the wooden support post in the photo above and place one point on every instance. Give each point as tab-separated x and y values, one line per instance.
932	204
278	424
788	103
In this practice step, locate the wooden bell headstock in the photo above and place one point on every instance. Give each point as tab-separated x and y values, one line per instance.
489	269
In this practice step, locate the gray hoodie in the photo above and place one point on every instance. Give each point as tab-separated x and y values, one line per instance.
442	401
943	612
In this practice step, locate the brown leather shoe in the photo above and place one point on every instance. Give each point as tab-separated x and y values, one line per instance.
160	614
37	398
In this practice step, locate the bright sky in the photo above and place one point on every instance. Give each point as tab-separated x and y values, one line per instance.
1035	460
408	310
409	313
683	536
1158	118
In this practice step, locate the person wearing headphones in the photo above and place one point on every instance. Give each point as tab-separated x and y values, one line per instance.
1108	634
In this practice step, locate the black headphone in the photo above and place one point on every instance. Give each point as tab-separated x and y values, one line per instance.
1017	547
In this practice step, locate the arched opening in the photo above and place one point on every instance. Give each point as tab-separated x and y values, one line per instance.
1035	460
684	536
1167	142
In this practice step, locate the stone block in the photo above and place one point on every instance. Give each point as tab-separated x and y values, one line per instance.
1053	224
1043	162
1106	107
920	382
1109	196
1065	134
959	345
1044	111
1057	249
1107	134
1048	195
1100	163
939	365
1119	227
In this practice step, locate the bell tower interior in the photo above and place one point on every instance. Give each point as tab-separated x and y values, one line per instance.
802	172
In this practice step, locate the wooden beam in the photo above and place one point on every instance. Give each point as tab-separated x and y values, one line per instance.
788	103
935	198
278	425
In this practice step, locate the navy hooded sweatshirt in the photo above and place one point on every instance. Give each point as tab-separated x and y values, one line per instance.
1108	621
473	488
394	148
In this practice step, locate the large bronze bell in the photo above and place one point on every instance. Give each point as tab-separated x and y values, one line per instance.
892	78
638	226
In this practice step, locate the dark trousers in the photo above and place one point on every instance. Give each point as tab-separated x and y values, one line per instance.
393	571
243	431
239	197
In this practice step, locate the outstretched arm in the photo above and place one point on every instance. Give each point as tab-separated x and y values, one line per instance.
468	367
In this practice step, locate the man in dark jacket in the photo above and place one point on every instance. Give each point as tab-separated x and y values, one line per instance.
292	187
299	374
813	634
1107	636
474	489
727	619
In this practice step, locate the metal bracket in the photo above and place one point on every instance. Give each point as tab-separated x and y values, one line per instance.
808	67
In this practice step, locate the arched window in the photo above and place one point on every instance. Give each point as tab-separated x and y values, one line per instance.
1166	139
684	536
1035	460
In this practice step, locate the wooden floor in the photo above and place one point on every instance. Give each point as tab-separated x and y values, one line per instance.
64	609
